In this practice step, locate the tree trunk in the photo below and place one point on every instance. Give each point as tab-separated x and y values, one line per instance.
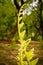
14	30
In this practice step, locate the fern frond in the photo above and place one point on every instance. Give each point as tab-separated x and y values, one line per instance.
20	20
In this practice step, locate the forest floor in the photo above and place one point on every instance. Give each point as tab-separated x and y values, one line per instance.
9	52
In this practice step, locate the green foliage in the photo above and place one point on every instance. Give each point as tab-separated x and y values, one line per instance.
8	17
23	45
33	62
8	20
32	25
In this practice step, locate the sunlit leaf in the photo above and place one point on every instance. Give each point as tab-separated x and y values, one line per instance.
21	25
22	34
30	54
33	62
26	44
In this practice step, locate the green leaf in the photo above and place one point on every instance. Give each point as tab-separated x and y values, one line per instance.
22	35
30	54
22	55
26	44
21	10
34	62
20	14
19	18
20	25
25	63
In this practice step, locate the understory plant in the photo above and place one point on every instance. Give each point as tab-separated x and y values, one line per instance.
23	53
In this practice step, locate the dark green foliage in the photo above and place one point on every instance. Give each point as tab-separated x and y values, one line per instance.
8	17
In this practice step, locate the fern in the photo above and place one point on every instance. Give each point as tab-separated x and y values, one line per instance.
24	43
